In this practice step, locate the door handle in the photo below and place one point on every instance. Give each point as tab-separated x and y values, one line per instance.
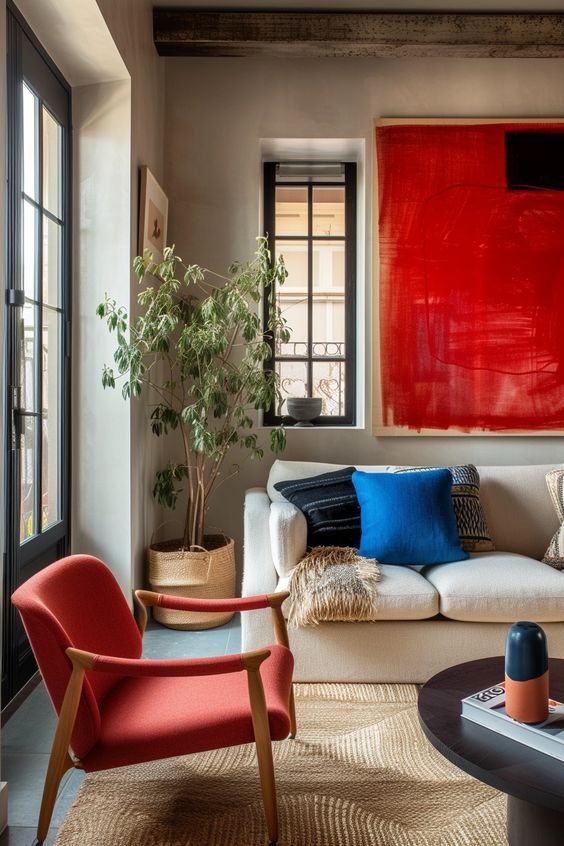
19	415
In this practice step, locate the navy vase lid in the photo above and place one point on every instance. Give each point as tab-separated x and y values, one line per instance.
526	654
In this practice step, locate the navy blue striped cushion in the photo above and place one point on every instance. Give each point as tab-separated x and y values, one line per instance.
330	506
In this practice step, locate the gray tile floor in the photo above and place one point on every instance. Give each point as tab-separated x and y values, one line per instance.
27	736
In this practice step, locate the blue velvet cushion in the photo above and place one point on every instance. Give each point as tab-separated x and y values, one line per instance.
408	518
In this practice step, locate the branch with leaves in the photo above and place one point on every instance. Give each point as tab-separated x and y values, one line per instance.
203	331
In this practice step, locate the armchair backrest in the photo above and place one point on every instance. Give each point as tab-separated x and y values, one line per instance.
77	602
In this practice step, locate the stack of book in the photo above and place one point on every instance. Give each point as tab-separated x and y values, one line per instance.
487	708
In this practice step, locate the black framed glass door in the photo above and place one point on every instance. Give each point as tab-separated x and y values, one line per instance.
37	330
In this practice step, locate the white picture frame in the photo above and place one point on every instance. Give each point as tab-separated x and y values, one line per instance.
153	216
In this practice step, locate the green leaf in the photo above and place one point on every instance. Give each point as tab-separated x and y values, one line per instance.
197	342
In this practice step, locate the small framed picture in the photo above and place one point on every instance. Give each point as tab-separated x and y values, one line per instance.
153	215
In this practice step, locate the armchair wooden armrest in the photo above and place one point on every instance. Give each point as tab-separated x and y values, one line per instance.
148	598
167	667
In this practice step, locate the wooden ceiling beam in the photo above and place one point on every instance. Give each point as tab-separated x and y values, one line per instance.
189	32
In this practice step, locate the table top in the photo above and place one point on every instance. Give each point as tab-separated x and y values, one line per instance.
492	758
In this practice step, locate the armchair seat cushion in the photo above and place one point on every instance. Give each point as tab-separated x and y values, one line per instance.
403	594
147	718
499	587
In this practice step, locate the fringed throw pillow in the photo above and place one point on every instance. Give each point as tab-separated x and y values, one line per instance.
470	518
333	583
554	555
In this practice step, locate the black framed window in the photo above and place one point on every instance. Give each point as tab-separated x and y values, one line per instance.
37	349
310	219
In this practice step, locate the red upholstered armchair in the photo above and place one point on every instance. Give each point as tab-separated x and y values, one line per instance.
116	708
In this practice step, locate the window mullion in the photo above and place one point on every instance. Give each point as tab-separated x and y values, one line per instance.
39	328
350	290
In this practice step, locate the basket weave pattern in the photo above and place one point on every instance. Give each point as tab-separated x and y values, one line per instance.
200	574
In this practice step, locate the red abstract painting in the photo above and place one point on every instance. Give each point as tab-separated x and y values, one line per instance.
471	269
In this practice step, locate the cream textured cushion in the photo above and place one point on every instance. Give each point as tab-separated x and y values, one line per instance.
554	555
403	594
288	536
518	508
499	587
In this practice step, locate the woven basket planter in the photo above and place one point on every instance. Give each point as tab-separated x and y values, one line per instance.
200	574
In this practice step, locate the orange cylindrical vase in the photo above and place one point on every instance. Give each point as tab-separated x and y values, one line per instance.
526	673
527	701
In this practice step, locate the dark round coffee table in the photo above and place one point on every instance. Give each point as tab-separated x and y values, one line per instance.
534	782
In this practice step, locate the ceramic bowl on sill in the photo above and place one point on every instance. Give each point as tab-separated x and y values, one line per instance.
304	409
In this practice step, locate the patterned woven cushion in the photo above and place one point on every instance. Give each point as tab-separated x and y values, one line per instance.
330	506
554	555
470	518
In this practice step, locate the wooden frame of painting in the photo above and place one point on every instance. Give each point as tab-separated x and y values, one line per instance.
469	258
153	215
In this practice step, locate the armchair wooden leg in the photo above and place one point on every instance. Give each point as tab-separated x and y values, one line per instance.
263	744
268	786
55	772
60	761
293	725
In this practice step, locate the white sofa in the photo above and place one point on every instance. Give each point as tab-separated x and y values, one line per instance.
428	620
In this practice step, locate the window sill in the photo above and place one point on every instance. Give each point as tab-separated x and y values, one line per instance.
314	428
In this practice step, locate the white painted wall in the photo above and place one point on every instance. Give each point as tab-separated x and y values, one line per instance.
218	110
131	25
101	455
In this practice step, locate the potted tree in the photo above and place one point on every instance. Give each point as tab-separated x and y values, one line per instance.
198	344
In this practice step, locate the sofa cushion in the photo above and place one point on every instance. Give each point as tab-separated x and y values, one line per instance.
499	587
283	471
408	518
403	594
330	506
515	499
516	502
554	555
470	517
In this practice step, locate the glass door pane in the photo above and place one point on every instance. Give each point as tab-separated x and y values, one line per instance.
28	516
52	164
30	224
50	418
30	111
52	233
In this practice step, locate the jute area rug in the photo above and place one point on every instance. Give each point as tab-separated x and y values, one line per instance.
360	773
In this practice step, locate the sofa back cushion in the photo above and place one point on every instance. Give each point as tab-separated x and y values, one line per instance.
519	512
471	521
285	471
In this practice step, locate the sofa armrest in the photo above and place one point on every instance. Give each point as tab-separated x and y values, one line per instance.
259	574
288	536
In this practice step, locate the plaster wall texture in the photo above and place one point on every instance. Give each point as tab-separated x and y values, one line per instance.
222	114
130	23
101	509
